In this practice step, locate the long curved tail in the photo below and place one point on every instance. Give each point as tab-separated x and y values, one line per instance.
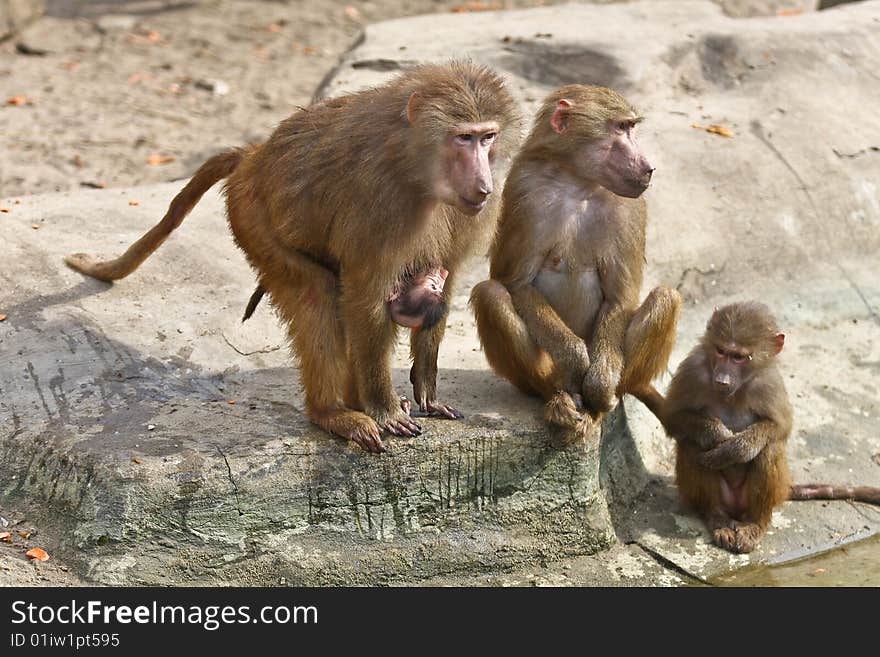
867	494
215	169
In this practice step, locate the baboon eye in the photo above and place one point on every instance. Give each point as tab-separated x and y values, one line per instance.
719	352
738	358
489	137
623	126
464	138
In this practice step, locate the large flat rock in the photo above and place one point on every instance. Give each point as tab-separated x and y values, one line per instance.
169	438
115	400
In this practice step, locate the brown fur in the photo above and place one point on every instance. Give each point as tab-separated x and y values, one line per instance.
738	435
348	185
213	171
531	339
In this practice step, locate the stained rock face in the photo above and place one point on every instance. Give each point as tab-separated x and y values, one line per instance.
166	440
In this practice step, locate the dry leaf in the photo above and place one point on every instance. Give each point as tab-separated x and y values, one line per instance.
17	101
476	6
38	553
3	317
6	536
134	202
17	202
4	209
231	401
715	129
35	226
789	12
24	534
156	159
136	460
819	571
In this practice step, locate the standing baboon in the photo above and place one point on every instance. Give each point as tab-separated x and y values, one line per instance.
343	198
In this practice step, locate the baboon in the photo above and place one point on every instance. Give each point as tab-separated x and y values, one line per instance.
416	301
560	315
729	413
366	185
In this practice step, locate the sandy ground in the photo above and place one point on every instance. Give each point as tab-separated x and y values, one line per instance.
127	92
102	95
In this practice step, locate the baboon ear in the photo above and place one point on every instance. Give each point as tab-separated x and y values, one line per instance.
559	120
779	341
412	106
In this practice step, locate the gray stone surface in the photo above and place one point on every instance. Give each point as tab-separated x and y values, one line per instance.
786	210
116	409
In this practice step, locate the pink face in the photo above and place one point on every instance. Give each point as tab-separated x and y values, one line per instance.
465	177
730	366
625	170
432	281
419	299
615	160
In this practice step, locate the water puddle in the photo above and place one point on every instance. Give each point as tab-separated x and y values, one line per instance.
853	564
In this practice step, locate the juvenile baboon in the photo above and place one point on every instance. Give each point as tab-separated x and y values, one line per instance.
366	185
729	412
560	315
416	301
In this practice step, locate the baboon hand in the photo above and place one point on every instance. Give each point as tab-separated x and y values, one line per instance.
435	408
406	405
715	434
397	422
598	389
425	397
728	453
368	437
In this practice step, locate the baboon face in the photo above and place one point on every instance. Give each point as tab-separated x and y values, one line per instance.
626	170
418	302
464	179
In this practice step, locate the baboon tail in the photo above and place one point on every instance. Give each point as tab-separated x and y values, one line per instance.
866	494
651	398
215	169
255	299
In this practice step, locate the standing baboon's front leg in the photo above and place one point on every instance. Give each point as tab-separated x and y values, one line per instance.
370	334
424	350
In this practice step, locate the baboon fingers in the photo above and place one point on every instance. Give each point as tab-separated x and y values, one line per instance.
725	537
403	426
561	411
440	410
747	537
406	405
370	441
